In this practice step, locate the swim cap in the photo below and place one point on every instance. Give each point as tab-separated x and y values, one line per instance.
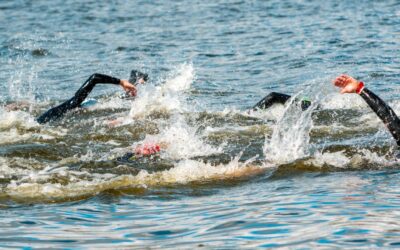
135	75
147	149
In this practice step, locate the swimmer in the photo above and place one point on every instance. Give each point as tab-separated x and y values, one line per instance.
350	85
278	98
147	149
75	102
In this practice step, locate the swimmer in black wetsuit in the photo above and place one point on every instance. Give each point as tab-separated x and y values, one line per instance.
128	85
350	85
274	97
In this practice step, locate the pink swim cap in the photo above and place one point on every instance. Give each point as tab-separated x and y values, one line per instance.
147	149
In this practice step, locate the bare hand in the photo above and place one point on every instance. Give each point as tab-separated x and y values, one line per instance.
347	83
128	87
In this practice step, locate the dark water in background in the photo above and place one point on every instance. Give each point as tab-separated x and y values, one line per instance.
322	178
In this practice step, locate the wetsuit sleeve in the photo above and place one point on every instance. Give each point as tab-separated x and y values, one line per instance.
274	98
88	86
384	112
78	98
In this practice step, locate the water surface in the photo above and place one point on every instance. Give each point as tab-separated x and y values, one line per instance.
227	178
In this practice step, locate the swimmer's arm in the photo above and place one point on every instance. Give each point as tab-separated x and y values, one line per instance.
101	78
350	85
82	94
125	84
94	79
384	112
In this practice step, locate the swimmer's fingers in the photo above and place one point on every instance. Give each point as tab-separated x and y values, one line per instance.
341	81
347	84
128	87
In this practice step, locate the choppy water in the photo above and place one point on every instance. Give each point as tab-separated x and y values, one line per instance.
227	178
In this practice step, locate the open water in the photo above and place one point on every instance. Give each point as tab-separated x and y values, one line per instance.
227	177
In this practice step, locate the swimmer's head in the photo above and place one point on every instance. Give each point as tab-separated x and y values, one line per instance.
138	77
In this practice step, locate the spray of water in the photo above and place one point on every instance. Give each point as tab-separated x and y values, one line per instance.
167	97
290	137
181	141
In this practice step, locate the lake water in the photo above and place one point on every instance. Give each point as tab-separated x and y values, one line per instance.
226	177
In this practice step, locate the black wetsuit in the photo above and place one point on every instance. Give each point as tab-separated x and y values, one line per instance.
384	111
274	98
79	97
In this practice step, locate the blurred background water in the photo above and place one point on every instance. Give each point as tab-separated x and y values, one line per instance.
227	177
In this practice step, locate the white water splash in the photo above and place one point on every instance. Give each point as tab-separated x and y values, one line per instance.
335	159
17	126
167	98
181	79
21	81
181	141
290	138
343	101
164	98
37	185
11	119
362	158
275	112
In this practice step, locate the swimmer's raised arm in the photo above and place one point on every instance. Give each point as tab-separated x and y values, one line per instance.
94	79
136	77
350	85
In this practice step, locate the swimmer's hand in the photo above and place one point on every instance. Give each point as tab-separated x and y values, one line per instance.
129	88
347	83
